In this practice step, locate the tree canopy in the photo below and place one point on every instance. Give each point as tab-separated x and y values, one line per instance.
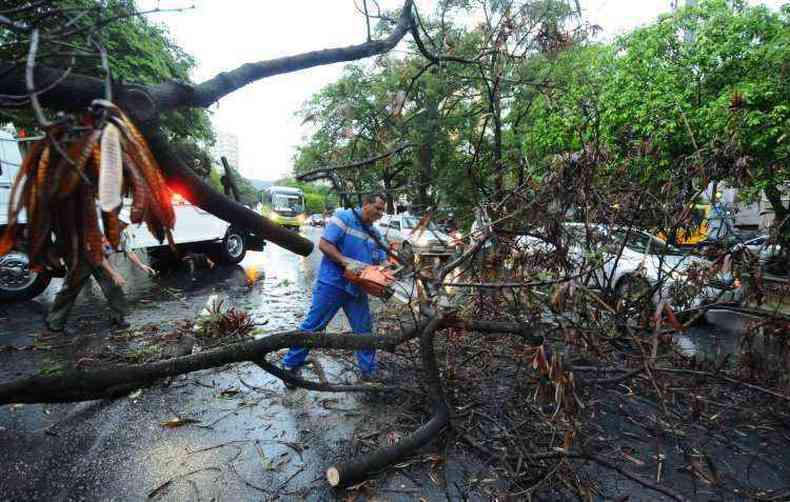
700	95
138	50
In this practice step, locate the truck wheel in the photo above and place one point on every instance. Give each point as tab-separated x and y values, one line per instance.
234	247
17	282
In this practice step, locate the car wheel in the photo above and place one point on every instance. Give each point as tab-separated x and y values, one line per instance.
234	247
633	295
17	282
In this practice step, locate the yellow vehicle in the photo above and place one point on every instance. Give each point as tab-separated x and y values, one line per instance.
694	230
284	206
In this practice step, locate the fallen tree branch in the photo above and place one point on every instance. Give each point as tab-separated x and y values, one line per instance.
78	91
201	194
324	172
319	387
144	103
114	381
353	471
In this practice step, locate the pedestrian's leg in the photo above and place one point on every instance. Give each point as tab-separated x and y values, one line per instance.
326	302
358	312
116	298
64	300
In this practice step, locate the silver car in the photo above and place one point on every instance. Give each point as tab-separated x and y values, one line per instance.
769	255
632	262
404	229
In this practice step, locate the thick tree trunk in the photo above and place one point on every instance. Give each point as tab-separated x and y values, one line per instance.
205	197
499	168
426	153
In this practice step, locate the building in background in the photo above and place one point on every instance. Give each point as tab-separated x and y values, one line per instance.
227	146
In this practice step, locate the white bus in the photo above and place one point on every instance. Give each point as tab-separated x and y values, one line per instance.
284	206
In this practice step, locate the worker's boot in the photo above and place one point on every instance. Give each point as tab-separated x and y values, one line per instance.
294	372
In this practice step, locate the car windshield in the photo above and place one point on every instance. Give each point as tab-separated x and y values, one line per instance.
645	243
411	222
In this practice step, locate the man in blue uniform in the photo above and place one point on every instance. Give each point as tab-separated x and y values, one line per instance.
347	235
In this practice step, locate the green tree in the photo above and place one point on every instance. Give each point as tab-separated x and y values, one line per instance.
676	112
138	51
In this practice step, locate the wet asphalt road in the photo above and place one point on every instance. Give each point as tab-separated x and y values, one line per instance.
252	439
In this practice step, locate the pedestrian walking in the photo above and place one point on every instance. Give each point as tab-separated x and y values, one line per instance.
110	281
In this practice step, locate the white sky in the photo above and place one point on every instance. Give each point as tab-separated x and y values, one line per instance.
223	34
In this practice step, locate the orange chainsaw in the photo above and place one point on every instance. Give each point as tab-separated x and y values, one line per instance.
374	280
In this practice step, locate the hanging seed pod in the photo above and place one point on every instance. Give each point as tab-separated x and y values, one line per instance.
139	192
38	215
91	235
63	177
112	227
22	185
72	177
110	169
151	172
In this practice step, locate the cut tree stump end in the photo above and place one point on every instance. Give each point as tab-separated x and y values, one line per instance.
333	476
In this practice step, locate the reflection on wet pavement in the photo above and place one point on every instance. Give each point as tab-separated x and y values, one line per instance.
253	440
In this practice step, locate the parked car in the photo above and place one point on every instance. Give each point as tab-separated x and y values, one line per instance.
404	230
315	220
769	255
194	228
633	262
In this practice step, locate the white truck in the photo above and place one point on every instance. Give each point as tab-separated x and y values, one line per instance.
194	228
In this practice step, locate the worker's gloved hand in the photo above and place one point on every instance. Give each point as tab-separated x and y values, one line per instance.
354	267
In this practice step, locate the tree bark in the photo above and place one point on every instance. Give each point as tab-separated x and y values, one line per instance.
105	383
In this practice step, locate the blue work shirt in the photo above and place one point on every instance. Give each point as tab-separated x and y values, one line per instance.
350	237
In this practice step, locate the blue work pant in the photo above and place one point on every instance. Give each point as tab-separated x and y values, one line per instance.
327	300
